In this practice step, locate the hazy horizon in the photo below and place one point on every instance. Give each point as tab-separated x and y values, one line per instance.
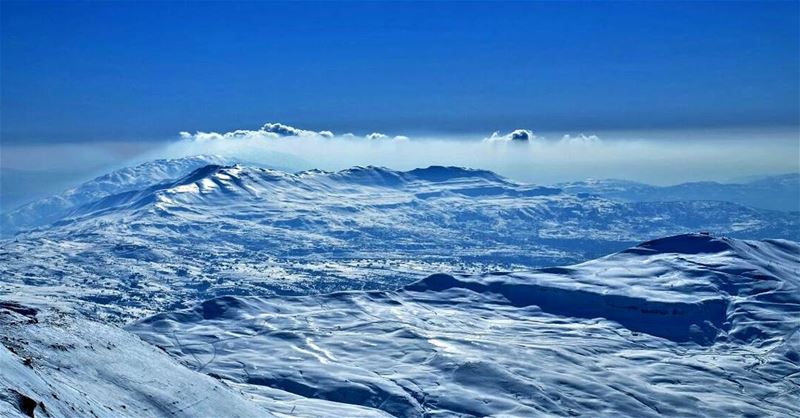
661	158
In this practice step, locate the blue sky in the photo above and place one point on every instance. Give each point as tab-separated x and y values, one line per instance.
74	72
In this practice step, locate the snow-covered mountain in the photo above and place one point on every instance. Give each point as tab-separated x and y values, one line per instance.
771	192
46	210
683	326
224	230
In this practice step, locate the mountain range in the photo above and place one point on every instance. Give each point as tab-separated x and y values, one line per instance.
201	287
135	242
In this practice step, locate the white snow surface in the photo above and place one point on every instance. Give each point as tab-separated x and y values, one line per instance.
684	326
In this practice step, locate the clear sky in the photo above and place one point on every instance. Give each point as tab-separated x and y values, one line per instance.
114	71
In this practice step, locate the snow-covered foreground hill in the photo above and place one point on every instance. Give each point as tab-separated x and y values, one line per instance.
234	230
682	326
688	325
54	363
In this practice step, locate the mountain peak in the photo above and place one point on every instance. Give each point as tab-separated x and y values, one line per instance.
696	243
128	179
437	173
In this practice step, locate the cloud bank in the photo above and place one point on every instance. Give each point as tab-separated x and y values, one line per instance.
268	131
273	130
656	157
520	154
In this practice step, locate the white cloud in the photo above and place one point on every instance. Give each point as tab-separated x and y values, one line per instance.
286	130
518	135
377	135
268	131
279	130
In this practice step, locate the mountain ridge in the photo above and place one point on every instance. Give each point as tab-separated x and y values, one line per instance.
271	232
774	192
779	192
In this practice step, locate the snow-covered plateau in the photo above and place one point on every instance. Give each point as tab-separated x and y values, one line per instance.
198	287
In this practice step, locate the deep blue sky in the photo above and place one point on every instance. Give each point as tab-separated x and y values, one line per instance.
123	71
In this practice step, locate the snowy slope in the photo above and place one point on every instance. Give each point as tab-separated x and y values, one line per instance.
683	326
250	231
771	192
53	363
